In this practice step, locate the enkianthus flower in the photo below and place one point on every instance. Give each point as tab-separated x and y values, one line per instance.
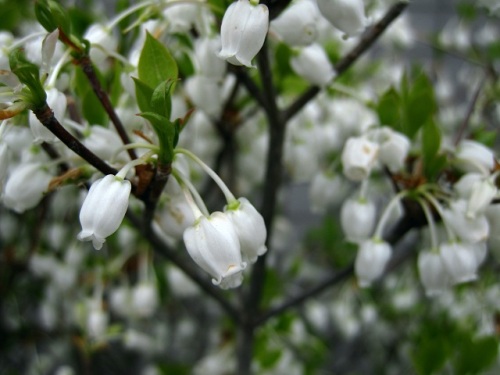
243	31
103	209
359	157
346	15
312	64
473	156
357	217
297	25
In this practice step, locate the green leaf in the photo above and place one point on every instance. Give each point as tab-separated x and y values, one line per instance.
419	105
52	15
388	109
29	74
476	355
165	131
431	140
160	100
143	92
156	64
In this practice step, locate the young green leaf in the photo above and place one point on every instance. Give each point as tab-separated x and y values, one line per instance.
52	15
143	93
165	131
160	100
156	64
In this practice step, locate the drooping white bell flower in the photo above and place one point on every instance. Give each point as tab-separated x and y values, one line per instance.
205	55
433	274
297	25
326	189
463	187
205	93
144	301
214	245
358	158
394	147
357	218
346	15
482	193
250	228
243	31
371	261
313	64
25	187
97	320
460	261
102	40
473	156
105	143
468	229
103	209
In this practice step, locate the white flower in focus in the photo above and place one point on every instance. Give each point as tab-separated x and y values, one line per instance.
243	31
346	15
103	210
358	158
473	156
313	64
297	25
250	228
371	260
214	245
25	187
357	218
433	274
460	261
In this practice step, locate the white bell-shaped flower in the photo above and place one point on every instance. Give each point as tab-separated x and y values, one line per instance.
473	156
433	274
144	299
214	245
313	64
483	192
105	143
394	147
205	93
326	189
97	321
103	209
460	261
102	40
468	229
463	187
346	15
357	218
371	261
243	31
297	25
250	228
359	157
25	187
205	55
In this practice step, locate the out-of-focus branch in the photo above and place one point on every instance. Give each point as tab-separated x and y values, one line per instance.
345	63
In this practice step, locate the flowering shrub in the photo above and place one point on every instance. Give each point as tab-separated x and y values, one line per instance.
152	172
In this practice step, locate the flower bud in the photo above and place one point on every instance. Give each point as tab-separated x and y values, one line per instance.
213	244
103	210
313	65
358	219
346	15
250	228
243	31
297	24
358	158
371	260
394	148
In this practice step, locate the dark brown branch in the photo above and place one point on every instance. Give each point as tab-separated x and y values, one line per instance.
188	268
88	69
47	118
345	63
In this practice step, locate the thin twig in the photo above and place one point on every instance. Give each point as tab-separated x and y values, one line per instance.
345	63
88	69
47	118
